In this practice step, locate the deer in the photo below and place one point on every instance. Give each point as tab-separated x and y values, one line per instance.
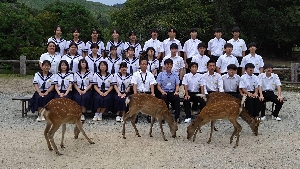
220	96
220	110
149	105
59	112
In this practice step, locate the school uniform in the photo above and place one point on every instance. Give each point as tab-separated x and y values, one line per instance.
231	85
63	81
44	83
268	86
216	48
73	61
119	45
239	46
103	83
60	44
143	81
80	45
193	83
53	59
190	48
213	83
156	44
256	60
132	64
152	65
178	63
100	45
168	42
224	61
137	48
202	62
250	83
83	81
113	64
168	82
94	62
122	82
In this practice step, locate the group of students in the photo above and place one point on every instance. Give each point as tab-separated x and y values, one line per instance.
81	71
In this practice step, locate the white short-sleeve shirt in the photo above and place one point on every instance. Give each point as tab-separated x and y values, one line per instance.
100	45
156	44
216	46
224	60
54	60
249	83
178	63
73	61
193	81
213	82
119	45
269	83
132	63
239	46
113	63
256	60
137	48
83	80
168	42
231	84
107	80
143	81
122	80
152	65
44	82
94	62
64	80
202	62
190	47
80	45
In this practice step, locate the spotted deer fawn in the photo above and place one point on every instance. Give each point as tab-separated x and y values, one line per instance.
149	105
59	112
220	110
221	96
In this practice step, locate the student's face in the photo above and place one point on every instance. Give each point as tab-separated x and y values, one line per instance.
103	67
231	72
228	50
76	34
63	67
115	35
58	31
252	49
46	67
132	37
168	66
113	52
143	65
193	35
194	69
94	50
130	52
201	50
218	35
173	51
73	49
123	69
83	65
211	66
154	35
150	52
268	70
94	35
236	34
171	34
51	48
250	71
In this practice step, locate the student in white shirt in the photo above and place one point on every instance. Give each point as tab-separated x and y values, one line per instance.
231	82
153	64
190	48
113	60
239	47
72	57
64	81
216	45
116	42
249	85
101	49
213	80
226	59
131	60
253	58
52	57
193	84
268	83
81	49
200	58
94	58
133	42
58	40
167	42
155	43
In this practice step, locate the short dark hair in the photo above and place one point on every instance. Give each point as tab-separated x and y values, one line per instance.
174	30
251	44
82	61
201	44
94	45
192	64
153	30
228	45
75	29
73	44
117	31
167	61
211	61
232	67
66	63
105	63
249	65
94	30
46	62
236	29
54	44
123	64
193	30
130	47
217	30
268	65
131	33
173	46
112	47
150	48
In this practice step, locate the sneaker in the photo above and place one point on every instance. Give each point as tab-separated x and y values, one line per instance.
39	119
82	118
263	118
278	118
187	120
100	117
95	118
118	119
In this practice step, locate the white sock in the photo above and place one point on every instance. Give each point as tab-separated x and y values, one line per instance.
100	114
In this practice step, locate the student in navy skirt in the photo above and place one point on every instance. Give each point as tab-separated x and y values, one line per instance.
63	80
122	84
43	83
83	84
103	85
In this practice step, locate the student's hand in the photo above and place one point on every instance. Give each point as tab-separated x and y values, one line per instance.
176	93
153	94
83	92
279	98
105	94
261	98
164	93
41	94
187	97
62	94
186	65
46	93
255	95
123	95
120	95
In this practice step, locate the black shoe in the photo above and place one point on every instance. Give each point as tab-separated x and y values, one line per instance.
149	119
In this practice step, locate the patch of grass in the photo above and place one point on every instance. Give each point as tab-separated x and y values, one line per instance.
9	76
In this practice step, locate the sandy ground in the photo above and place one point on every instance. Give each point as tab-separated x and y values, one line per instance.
23	144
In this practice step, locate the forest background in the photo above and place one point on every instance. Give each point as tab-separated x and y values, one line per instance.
25	25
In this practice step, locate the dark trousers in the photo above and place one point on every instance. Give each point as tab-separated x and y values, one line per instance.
253	106
175	102
239	71
195	99
270	96
235	94
188	61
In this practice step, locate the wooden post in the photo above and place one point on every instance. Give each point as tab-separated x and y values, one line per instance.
22	65
294	72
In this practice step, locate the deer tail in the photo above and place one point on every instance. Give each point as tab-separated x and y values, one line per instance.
242	102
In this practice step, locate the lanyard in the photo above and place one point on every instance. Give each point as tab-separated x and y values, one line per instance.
144	80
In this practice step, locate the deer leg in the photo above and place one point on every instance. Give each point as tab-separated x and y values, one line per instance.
76	132
132	119
161	128
196	131
48	126
212	127
51	133
79	125
237	130
63	131
124	122
152	122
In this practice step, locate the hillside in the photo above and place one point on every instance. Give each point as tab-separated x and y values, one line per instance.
95	7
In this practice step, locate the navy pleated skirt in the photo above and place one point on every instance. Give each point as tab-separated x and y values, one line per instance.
37	101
